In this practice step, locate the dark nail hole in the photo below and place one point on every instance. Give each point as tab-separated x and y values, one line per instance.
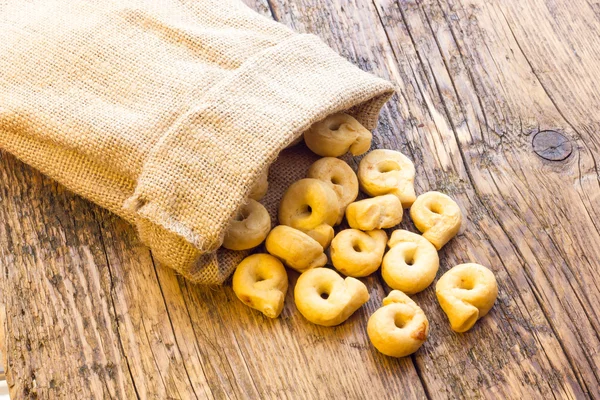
552	145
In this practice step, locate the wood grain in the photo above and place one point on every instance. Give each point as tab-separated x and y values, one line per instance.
498	104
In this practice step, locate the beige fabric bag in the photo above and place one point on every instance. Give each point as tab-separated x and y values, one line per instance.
165	112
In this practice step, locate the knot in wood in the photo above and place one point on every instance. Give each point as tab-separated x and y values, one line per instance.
552	145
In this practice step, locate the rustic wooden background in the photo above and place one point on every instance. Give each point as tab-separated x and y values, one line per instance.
498	104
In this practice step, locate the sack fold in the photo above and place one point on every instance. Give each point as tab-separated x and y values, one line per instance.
168	116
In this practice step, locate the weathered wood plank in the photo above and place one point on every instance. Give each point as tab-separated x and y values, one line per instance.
88	311
61	336
154	328
536	203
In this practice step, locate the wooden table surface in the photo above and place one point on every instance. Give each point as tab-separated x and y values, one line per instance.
498	105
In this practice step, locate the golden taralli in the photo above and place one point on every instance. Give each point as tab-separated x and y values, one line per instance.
250	227
310	205
260	281
411	263
437	216
466	293
377	213
336	135
356	253
325	298
399	327
388	172
340	177
295	248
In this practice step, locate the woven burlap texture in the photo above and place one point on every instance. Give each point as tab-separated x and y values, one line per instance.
165	112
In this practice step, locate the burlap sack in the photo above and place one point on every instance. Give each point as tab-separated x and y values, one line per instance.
166	112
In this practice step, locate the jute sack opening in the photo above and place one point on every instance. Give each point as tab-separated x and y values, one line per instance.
166	112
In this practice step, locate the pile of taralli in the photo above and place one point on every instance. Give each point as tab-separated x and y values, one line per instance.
309	210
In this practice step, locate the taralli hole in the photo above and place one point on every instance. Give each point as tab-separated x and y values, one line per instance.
400	321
